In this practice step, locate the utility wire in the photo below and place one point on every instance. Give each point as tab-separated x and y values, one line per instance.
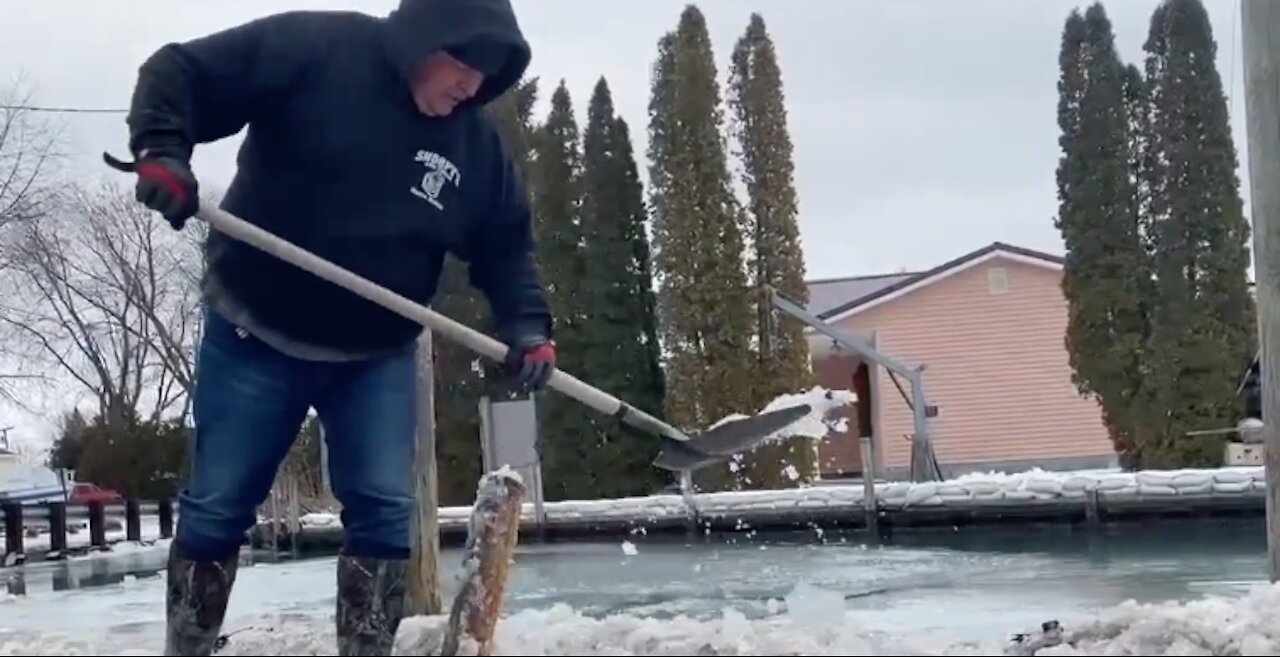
64	110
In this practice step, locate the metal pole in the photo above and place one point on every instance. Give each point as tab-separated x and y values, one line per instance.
1261	47
424	575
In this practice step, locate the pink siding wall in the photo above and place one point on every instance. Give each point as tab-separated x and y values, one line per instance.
997	369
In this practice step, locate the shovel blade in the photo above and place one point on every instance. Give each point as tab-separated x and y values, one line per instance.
676	455
722	442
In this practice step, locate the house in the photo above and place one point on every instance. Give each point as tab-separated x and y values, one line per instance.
990	328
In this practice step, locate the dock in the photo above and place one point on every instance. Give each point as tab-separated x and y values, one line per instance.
1037	497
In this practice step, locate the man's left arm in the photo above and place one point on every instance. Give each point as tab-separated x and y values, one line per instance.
503	266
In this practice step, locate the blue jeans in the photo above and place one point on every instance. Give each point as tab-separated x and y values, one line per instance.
249	403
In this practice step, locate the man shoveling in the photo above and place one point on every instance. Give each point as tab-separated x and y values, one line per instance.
367	146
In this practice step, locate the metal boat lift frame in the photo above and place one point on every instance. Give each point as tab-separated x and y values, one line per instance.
924	464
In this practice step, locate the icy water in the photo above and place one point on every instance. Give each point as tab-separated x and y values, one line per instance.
939	588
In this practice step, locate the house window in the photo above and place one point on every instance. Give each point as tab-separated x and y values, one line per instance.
997	280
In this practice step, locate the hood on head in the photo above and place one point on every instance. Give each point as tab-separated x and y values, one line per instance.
483	34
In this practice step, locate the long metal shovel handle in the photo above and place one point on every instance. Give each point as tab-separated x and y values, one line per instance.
453	330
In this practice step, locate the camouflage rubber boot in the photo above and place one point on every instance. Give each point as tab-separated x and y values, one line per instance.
371	602
196	603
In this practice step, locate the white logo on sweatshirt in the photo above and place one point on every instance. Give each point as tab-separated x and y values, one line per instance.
439	171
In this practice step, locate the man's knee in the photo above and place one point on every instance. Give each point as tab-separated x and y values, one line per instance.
378	524
213	526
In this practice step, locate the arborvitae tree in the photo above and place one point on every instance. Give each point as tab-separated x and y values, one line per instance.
458	383
565	425
1107	277
1203	326
774	256
618	344
705	305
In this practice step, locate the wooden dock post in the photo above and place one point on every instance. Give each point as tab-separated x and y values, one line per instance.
1092	508
132	521
58	528
97	526
424	569
166	518
13	528
870	504
491	541
1260	21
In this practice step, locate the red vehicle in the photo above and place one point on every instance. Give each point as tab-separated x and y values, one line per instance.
86	493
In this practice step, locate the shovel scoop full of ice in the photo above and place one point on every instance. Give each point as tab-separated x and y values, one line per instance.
787	416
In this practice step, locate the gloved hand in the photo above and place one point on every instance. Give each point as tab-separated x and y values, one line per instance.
167	185
530	361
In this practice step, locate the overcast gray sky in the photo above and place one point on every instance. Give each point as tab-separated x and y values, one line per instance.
922	129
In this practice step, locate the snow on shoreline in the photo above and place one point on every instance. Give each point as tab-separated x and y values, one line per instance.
1242	625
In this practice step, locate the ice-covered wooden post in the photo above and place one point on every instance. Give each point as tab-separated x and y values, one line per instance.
491	540
1261	45
424	575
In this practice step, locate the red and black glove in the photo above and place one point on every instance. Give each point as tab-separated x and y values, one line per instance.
167	185
530	361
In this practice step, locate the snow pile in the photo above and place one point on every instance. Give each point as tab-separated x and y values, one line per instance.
815	622
813	425
1212	626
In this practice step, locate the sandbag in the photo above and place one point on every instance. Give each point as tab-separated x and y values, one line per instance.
1232	488
1114	483
1126	491
1192	480
979	488
921	492
1156	479
896	490
1045	485
1203	489
1231	477
1079	484
932	500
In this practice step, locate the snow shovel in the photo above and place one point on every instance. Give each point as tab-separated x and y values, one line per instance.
679	451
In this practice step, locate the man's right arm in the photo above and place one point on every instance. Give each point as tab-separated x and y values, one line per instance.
211	87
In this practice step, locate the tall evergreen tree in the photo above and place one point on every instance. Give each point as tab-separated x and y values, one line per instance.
1203	326
705	306
566	426
774	257
618	343
1107	276
458	385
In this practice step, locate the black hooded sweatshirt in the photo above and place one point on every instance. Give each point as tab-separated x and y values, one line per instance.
338	160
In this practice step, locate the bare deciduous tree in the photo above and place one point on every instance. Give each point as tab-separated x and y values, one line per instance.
108	294
27	149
